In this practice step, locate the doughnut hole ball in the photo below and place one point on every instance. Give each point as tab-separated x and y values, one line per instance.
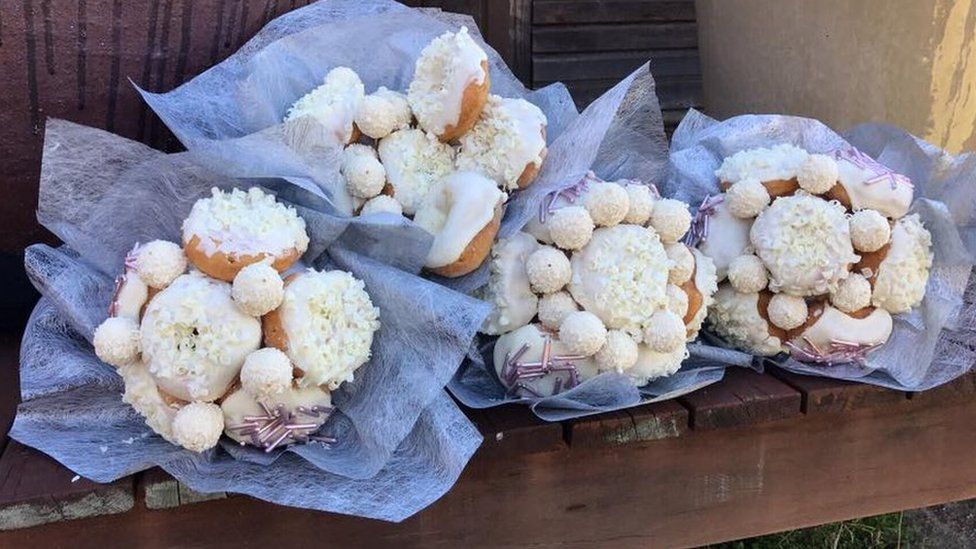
381	203
641	199
553	309
670	219
746	198
747	274
787	311
607	203
583	333
870	230
159	263
818	174
198	425
266	372
618	353
548	270
377	116
117	341
677	300
664	331
852	294
571	228
684	263
365	176
258	289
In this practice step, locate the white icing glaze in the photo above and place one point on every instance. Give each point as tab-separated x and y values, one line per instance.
728	238
508	290
904	272
334	104
533	336
735	316
131	296
507	138
142	393
707	283
445	68
834	325
765	164
239	404
414	162
891	197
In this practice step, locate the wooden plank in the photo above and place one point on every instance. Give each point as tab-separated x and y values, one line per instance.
513	430
741	399
645	423
562	12
35	489
678	92
161	491
9	382
596	38
961	389
823	395
615	65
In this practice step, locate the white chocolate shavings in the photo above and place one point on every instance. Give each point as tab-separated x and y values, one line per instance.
414	162
198	426
402	114
608	203
455	211
747	274
735	316
904	273
245	223
553	309
365	176
508	290
582	333
507	138
380	204
664	332
329	320
853	293
621	276
258	289
548	270
777	163
805	243
706	282
870	230
446	67
383	112
333	104
817	174
787	311
677	300
117	341
570	228
641	203
618	354
266	372
653	365
747	198
142	393
159	262
670	219
195	339
683	263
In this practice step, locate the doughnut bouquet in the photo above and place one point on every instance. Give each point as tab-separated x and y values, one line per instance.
825	254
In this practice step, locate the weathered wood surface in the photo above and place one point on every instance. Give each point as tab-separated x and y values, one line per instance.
742	399
824	395
567	12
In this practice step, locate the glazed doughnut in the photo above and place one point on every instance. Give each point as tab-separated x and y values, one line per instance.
309	407
325	325
903	272
463	213
874	328
231	230
565	369
414	162
508	291
776	168
508	143
333	105
131	293
727	239
700	290
450	85
863	183
736	317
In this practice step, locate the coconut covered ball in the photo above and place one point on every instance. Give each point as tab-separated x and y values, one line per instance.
266	372
198	425
747	198
258	289
677	300
670	219
618	353
355	150
747	274
381	203
870	230
365	175
852	294
117	341
664	332
787	311
817	174
582	333
607	203
553	309
684	263
641	199
159	263
571	228
548	270
383	112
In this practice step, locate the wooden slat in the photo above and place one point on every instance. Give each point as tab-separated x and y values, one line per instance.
823	395
597	38
35	489
590	66
961	389
560	12
741	399
9	383
513	430
161	491
645	423
676	92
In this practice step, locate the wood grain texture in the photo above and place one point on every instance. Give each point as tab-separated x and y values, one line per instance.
743	398
596	38
823	395
636	425
613	65
561	12
512	431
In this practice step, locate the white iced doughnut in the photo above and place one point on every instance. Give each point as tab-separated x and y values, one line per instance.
383	112
607	203
117	341
533	338
333	105
641	199
258	289
781	162
664	331
309	407
735	316
553	309
198	426
805	243
670	219
747	198
747	274
728	238
582	333
834	325
787	311
570	228
677	300
706	282
159	263
381	204
904	272
548	270
869	230
142	393
508	139
868	188
852	294
619	353
683	263
365	176
266	372
817	174
509	291
414	162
